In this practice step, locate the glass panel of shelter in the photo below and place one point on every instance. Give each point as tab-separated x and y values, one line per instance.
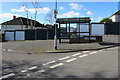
75	30
63	31
63	34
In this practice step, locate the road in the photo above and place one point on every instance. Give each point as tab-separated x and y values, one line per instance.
82	64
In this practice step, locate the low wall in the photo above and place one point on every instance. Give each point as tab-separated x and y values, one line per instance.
111	38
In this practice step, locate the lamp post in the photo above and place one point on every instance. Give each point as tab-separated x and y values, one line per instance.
55	16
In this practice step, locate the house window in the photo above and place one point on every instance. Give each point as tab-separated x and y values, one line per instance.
26	26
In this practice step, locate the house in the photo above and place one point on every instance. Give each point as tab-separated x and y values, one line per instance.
113	28
115	17
20	23
49	26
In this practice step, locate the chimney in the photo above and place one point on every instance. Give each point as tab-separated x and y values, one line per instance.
14	17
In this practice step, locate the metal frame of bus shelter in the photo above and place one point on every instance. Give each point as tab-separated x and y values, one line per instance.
85	20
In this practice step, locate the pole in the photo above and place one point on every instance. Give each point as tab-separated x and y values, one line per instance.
55	36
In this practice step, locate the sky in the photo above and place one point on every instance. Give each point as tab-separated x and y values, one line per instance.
95	10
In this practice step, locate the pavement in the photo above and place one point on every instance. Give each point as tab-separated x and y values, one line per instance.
47	46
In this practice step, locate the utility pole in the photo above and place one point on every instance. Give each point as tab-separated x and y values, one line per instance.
55	16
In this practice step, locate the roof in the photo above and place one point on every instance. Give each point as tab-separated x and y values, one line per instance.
22	21
116	13
74	20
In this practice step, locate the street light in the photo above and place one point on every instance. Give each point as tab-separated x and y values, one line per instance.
55	16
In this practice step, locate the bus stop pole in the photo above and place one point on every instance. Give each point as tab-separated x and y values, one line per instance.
55	36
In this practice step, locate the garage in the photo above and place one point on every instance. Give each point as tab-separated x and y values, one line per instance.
9	35
19	35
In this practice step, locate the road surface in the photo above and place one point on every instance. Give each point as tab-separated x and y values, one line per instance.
82	64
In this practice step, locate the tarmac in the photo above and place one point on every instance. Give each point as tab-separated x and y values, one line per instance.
47	46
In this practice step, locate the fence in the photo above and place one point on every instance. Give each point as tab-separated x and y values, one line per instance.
50	33
38	34
112	28
29	34
41	34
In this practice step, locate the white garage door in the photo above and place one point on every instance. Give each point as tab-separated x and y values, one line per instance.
97	29
9	35
19	35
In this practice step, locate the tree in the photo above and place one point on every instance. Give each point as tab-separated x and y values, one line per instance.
50	17
106	20
36	5
26	11
24	6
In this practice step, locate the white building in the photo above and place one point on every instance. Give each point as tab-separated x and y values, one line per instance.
115	17
19	23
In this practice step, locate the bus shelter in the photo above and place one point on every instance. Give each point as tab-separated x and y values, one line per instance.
75	30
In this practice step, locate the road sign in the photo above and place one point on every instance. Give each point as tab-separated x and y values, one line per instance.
55	12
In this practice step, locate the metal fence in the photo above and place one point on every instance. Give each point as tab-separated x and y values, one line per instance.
29	34
112	28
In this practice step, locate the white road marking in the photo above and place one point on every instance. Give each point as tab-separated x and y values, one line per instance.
24	71
64	58
100	50
34	67
9	50
41	71
70	60
83	55
4	49
93	52
49	63
103	49
6	76
54	66
85	51
76	54
28	74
